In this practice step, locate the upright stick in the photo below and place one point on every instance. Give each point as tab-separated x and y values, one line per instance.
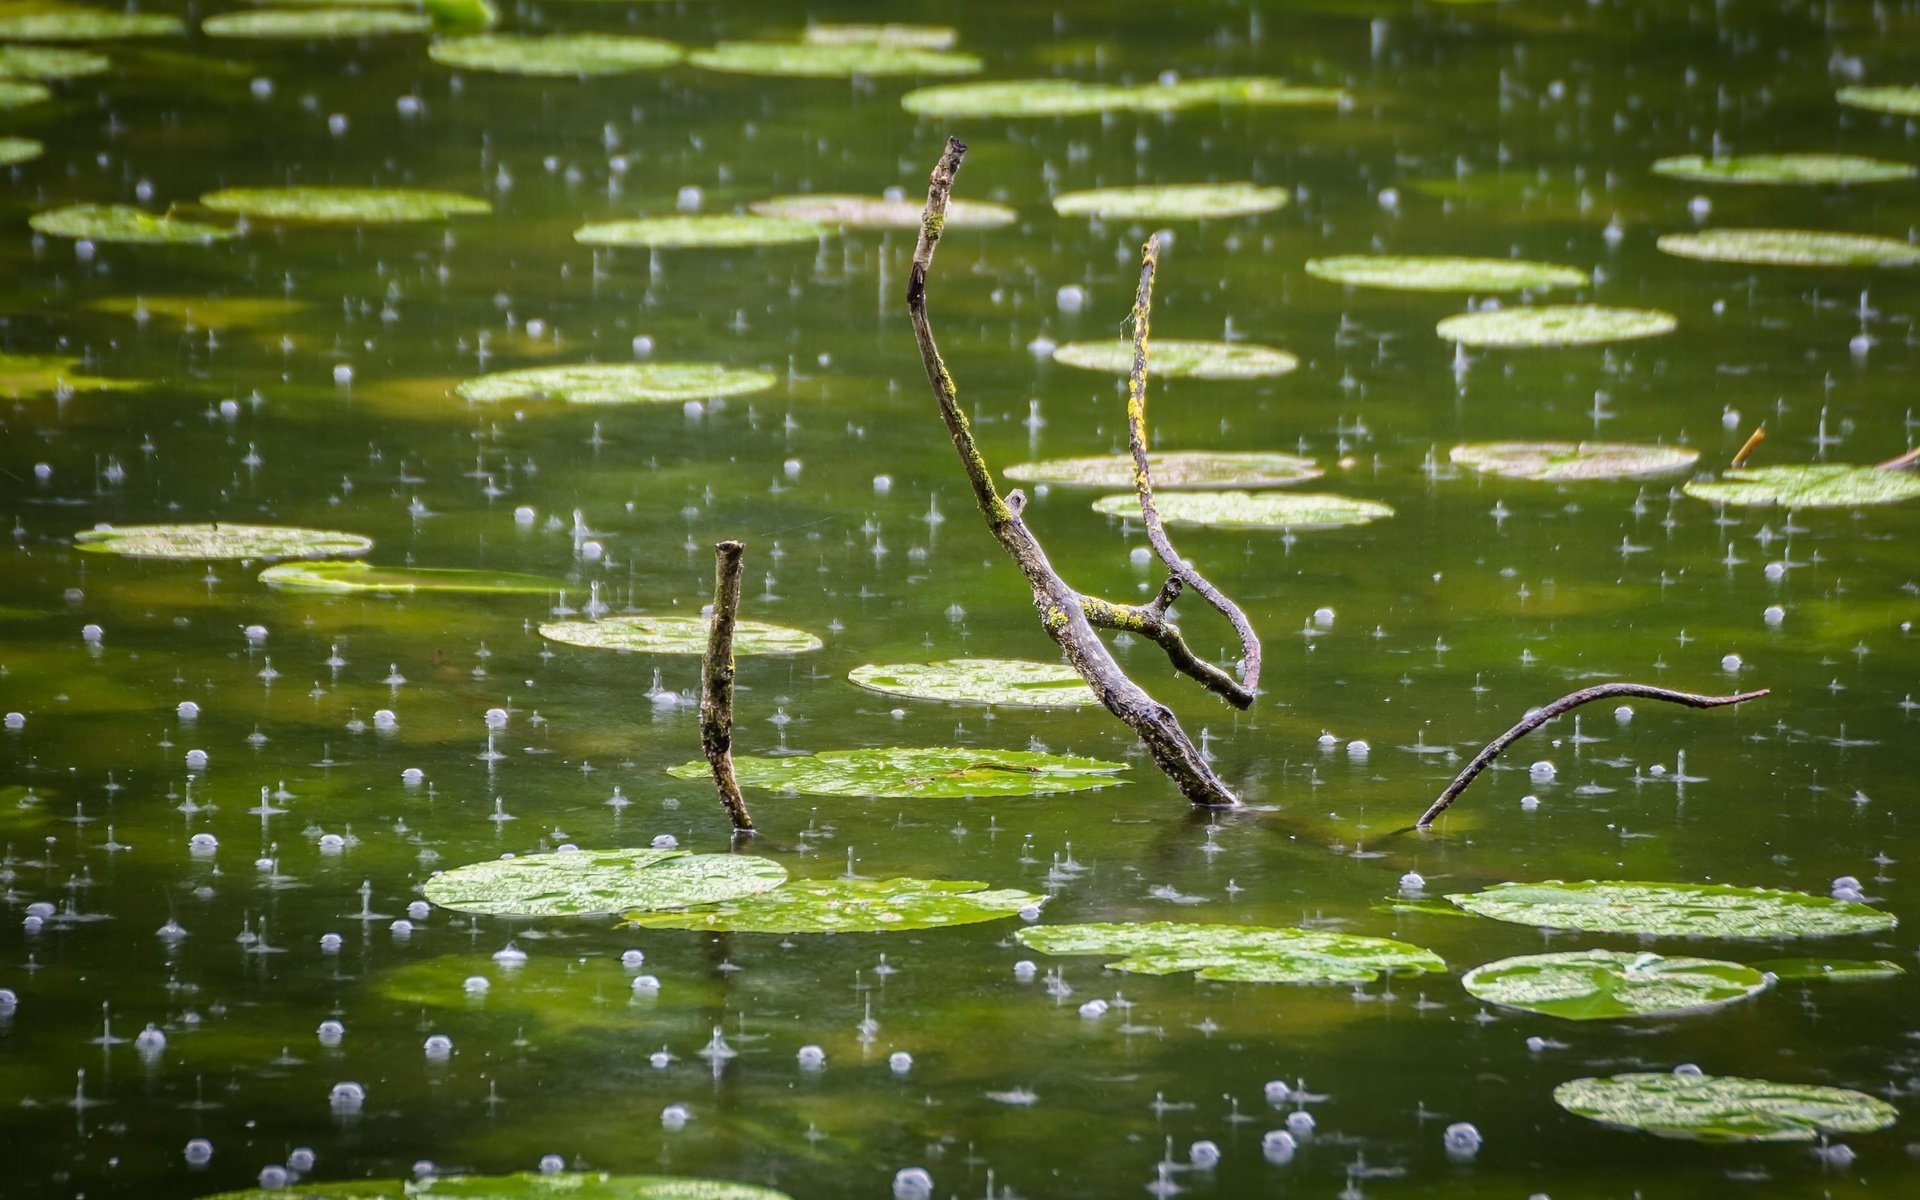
716	683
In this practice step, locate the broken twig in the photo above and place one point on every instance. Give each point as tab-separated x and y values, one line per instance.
716	683
1905	460
1748	447
1573	700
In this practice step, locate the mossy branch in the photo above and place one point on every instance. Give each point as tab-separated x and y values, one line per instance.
716	683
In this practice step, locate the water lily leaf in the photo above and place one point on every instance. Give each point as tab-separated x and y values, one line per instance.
850	906
345	578
32	376
85	25
616	383
1555	325
1011	682
1171	359
124	223
1790	248
15	150
585	882
672	233
939	772
1252	510
1173	470
676	635
556	55
315	23
345	204
17	94
219	541
1400	905
1723	1108
1900	101
48	62
218	313
1239	953
1784	169
1673	909
1839	970
1560	462
913	37
816	60
1172	202
1593	985
1408	273
875	212
567	1186
1809	485
351	1189
1065	98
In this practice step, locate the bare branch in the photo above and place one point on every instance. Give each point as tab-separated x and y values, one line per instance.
1905	460
1748	447
1567	703
716	683
1150	622
1162	545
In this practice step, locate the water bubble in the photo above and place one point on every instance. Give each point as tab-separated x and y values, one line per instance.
659	1059
1025	970
424	1168
1774	570
413	777
689	199
1329	740
301	1160
1300	1123
1030	912
912	1183
665	841
1699	207
1204	1155
44	471
91	633
1461	1139
496	718
646	985
402	928
1093	1010
510	955
343	374
41	908
882	484
1323	617
1536	1044
196	759
1358	750
383	718
792	468
15	720
1277	1091
187	710
1688	1070
899	1062
9	1000
261	88
642	345
552	1164
1623	714
331	942
1278	1146
1071	298
347	1097
1731	664
675	1116
150	1040
203	843
274	1176
812	1058
438	1047
631	959
1837	1155
1412	881
1542	771
1773	614
477	985
525	515
199	1152
330	1033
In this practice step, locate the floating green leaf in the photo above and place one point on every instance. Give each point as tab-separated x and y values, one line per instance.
1252	510
315	23
85	25
1673	909
578	883
1593	985
47	62
352	1189
1237	953
16	94
1562	462
218	541
1065	98
1171	359
676	635
913	37
674	233
1554	325
1784	169
941	772
616	383
1838	970
850	906
1173	470
345	204
1790	248
1442	274
344	578
1723	1108
875	212
1010	682
555	55
1172	202
15	150
1897	100
1809	485
566	1186
31	376
816	60
124	223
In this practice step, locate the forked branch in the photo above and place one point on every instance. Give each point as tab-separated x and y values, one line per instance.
716	684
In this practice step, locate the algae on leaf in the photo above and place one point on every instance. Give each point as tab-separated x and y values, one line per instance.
840	60
850	906
573	56
912	37
700	232
315	23
220	541
1251	510
1723	1108
676	635
1173	470
1565	462
1810	485
346	205
585	882
1554	325
1673	909
1838	970
1443	274
939	772
1008	682
85	25
1172	202
1791	248
49	62
347	578
1784	169
1594	985
124	223
1893	99
1176	359
616	383
1236	953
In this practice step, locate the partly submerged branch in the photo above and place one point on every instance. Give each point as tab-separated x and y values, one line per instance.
1564	704
1748	447
1905	460
716	683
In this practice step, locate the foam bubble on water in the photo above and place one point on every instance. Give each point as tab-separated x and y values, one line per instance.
330	1033
631	959
811	1058
92	634
14	720
1300	1123
900	1062
1204	1155
689	199
1461	1139
1412	881
347	1096
646	985
1542	771
1773	614
912	1183
1731	664
510	955
675	1116
199	1152
1025	970
1278	1146
438	1047
1093	1010
1358	750
552	1164
413	777
301	1160
187	710
477	985
196	759
1529	803
1071	298
331	942
1323	617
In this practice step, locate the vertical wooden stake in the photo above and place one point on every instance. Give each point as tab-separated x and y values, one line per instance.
716	683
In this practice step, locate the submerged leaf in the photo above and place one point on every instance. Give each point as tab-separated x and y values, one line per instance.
1239	953
1252	510
1173	359
708	232
220	541
585	882
850	906
842	60
1172	202
1723	1108
1790	248
350	577
1065	98
32	376
47	62
1009	682
555	55
915	37
1441	274
85	25
124	223
1561	462
1897	100
1554	325
315	23
1173	470
1592	985
1784	169
1839	970
218	313
616	383
17	94
1809	485
1673	909
18	150
876	212
940	772
345	204
568	1186
676	635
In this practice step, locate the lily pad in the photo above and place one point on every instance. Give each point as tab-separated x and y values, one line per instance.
345	578
315	23
568	1186
1172	202
1555	325
675	233
850	906
1169	359
616	383
1173	470
585	882
1895	99
845	60
1809	485
345	205
48	62
1236	953
31	376
941	772
1673	910
1784	169
1790	248
570	56
1593	985
876	212
1009	682
1839	970
350	1189
85	25
913	37
1252	510
15	150
1408	273
1066	98
124	223
676	635
17	94
220	541
1723	1108
1562	462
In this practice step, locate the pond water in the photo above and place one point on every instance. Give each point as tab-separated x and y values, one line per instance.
303	374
